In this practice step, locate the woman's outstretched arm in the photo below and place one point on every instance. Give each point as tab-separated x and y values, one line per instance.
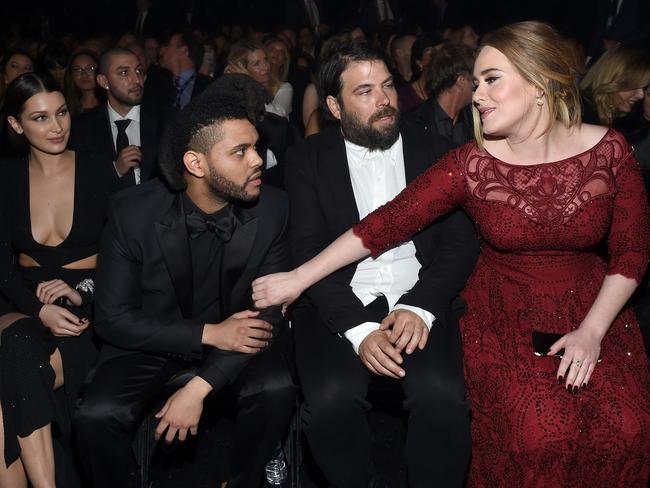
284	288
434	193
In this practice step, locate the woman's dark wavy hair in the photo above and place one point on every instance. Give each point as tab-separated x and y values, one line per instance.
18	92
72	93
231	97
12	52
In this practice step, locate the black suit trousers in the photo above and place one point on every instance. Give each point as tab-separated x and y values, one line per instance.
125	387
335	385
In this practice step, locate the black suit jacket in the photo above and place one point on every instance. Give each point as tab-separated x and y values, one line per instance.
424	116
277	134
322	206
143	298
160	94
91	132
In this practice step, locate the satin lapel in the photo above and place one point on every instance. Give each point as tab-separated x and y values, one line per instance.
234	258
173	240
334	170
416	158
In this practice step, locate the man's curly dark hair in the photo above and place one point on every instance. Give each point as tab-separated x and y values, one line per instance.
198	126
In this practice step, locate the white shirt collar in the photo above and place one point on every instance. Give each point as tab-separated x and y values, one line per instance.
134	114
358	154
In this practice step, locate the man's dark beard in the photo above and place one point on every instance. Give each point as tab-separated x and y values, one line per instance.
128	103
226	190
365	135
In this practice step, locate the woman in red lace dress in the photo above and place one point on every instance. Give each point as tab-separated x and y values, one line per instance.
545	191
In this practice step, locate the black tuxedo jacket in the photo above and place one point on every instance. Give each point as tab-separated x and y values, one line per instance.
277	134
91	132
143	292
160	94
424	116
322	205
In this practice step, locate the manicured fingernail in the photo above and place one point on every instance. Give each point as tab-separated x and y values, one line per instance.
402	373
560	380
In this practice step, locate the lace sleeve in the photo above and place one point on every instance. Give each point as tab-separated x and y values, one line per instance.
629	236
434	193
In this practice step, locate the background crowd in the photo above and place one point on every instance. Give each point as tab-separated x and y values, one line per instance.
171	51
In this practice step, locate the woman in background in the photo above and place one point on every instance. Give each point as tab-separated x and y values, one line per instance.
614	85
81	90
250	58
54	60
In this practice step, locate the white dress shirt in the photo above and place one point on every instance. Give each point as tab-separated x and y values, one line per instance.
377	177
132	131
282	101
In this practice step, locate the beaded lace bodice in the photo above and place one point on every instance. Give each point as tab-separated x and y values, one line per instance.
569	205
549	193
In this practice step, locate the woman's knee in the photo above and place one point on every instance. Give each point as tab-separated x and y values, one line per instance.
9	319
19	332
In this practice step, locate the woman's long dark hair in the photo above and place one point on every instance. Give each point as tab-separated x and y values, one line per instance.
18	92
71	92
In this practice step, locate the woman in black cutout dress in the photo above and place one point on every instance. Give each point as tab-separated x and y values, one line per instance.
51	321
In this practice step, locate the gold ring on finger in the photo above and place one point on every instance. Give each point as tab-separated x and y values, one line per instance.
577	363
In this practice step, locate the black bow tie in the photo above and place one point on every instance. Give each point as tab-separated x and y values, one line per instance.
223	227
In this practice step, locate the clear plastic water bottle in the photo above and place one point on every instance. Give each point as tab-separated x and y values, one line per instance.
276	470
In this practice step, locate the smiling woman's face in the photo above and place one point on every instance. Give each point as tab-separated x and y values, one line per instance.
45	122
625	100
505	100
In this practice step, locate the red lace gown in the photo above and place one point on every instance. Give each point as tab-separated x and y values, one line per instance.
539	269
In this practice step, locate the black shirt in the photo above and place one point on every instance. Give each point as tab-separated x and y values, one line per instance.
206	252
432	117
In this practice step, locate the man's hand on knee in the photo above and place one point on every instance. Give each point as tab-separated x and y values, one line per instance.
182	411
379	355
407	330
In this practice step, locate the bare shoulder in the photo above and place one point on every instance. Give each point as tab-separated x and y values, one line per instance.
589	135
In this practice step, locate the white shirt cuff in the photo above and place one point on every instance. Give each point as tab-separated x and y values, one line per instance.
136	173
357	334
427	317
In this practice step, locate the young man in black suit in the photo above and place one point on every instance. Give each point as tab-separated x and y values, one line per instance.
333	179
173	298
120	131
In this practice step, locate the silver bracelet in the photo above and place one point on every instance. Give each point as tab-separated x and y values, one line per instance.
86	285
85	288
